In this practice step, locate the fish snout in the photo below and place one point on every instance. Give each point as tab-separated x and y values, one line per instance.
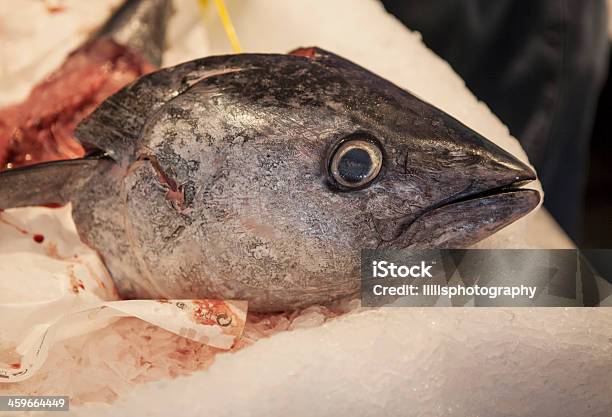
469	188
464	163
506	169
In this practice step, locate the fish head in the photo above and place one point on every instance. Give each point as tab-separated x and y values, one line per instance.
264	178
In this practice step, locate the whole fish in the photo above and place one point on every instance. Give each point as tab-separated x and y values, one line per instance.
261	176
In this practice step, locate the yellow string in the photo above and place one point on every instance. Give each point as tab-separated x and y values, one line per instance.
226	22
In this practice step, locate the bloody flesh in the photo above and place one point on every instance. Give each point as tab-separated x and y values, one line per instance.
41	127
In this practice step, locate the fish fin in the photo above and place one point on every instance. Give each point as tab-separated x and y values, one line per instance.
47	183
317	53
141	25
334	62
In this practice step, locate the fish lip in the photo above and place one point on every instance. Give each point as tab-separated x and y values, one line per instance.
526	176
479	195
511	188
466	220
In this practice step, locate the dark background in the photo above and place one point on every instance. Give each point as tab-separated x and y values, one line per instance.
542	66
598	210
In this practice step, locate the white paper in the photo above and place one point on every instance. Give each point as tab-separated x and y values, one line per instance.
53	286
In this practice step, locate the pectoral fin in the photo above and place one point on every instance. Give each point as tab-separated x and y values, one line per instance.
56	182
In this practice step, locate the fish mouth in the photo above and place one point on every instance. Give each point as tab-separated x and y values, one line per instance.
464	220
506	189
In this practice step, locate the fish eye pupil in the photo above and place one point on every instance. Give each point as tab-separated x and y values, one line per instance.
355	165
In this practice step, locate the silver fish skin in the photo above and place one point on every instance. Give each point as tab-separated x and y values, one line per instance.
238	177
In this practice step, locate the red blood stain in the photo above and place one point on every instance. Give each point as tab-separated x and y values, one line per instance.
19	229
15	365
74	281
56	9
52	205
55	6
38	238
163	301
305	52
211	312
41	127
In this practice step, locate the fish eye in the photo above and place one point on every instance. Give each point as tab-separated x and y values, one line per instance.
356	163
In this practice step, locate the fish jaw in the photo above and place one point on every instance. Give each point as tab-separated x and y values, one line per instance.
141	25
466	222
